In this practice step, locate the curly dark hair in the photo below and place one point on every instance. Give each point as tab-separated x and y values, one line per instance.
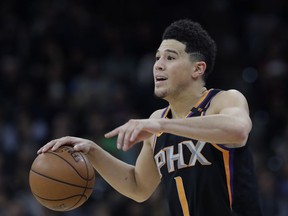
198	42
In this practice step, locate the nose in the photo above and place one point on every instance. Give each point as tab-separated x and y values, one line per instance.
159	66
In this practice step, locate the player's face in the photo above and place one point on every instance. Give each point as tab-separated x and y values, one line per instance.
172	69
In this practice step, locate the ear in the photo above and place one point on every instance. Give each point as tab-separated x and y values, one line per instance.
199	69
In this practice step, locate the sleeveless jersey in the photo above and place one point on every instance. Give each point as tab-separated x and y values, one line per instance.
205	179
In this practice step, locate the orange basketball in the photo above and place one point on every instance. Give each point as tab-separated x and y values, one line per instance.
62	180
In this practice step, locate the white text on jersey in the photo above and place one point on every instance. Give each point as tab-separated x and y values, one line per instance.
167	156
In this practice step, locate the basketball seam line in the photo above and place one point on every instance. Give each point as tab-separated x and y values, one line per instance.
62	198
61	181
73	167
84	191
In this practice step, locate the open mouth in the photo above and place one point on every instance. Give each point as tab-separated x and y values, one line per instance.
160	78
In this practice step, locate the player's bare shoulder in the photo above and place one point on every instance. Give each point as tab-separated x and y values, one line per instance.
227	98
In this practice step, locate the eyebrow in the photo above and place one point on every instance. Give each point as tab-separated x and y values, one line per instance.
169	50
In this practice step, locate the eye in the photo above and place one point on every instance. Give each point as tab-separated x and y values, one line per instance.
157	58
170	58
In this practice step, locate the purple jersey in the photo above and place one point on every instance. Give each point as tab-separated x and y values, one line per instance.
204	179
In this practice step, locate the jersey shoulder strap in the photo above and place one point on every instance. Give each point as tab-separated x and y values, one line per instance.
204	105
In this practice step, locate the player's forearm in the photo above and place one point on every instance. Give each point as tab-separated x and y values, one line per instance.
117	173
221	129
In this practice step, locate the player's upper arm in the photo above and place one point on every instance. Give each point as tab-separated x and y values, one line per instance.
233	103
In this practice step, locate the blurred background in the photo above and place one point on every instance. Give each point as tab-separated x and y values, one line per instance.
83	67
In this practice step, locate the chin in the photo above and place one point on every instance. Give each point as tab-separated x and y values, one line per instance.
159	94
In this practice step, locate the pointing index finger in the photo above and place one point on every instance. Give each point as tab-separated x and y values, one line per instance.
112	133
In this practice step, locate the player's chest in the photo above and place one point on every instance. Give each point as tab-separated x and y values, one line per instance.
173	153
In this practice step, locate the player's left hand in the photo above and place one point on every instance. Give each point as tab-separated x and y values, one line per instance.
133	132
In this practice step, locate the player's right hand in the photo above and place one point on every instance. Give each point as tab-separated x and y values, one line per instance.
79	144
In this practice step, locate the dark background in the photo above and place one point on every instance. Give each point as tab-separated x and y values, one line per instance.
83	67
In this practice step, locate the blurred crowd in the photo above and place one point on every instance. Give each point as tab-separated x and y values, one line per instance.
81	68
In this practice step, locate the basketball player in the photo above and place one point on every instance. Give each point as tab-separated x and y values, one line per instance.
196	146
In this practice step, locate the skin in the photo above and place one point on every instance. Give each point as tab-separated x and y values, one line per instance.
178	80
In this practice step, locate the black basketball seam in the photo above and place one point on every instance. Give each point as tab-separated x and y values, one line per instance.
87	172
54	179
69	165
57	200
76	195
85	188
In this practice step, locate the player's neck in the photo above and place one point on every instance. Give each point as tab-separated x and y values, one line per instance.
181	107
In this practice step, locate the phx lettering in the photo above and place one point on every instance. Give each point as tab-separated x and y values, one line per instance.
167	156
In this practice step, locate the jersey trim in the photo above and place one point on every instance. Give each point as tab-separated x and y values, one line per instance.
154	142
195	108
228	164
182	196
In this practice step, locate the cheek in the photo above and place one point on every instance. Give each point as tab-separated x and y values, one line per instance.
181	73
